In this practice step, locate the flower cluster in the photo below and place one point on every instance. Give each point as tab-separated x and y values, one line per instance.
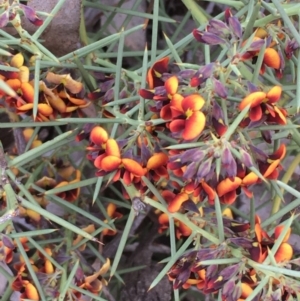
191	142
48	274
58	93
107	157
10	13
187	121
236	281
198	148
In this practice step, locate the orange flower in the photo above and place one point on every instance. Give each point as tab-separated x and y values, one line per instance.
111	161
95	282
246	291
268	168
285	250
46	265
98	135
107	157
263	106
88	229
181	228
7	247
24	98
156	166
24	101
271	57
68	82
189	192
263	242
62	98
28	132
25	90
44	111
194	120
226	190
171	86
33	215
29	291
112	212
72	194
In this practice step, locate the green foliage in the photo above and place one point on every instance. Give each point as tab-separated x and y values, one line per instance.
196	136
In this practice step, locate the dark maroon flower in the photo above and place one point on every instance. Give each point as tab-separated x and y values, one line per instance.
228	14
218	119
189	205
109	95
213	281
290	47
202	75
267	136
181	270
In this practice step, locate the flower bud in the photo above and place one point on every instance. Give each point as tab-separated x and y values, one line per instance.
235	26
219	88
207	37
204	168
186	74
190	171
192	155
202	74
246	158
290	47
4	18
17	60
218	27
